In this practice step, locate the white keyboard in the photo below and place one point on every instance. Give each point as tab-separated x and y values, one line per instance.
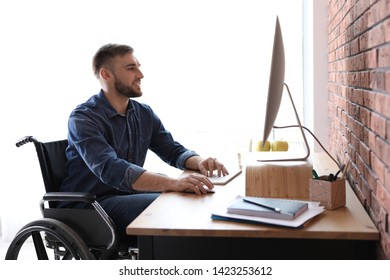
223	180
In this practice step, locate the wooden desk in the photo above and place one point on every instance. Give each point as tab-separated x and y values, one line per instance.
178	226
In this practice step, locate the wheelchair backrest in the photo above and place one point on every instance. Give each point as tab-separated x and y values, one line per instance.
52	160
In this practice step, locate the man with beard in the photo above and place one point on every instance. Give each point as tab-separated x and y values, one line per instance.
109	136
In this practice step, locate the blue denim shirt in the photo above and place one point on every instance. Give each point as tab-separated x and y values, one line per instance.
107	150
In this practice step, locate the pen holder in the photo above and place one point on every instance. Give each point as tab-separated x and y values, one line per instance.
331	194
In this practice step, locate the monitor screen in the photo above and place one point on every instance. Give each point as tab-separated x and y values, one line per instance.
275	92
276	82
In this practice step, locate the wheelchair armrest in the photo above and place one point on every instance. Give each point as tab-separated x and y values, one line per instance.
86	198
69	196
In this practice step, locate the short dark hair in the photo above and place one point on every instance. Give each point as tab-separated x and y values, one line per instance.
106	53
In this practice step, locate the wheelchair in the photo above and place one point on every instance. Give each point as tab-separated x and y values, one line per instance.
80	234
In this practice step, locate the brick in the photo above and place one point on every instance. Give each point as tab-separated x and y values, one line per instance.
359	26
342	78
388	130
375	207
384	250
369	99
361	9
378	124
354	47
349	122
379	214
338	54
354	143
363	41
369	138
378	167
344	91
364	79
365	116
364	152
387	179
382	104
382	149
357	96
387	81
358	62
370	59
358	129
387	30
371	178
384	56
353	110
346	35
376	36
332	56
365	190
384	197
360	167
377	80
358	193
370	18
380	10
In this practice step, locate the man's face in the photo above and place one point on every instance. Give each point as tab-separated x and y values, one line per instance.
127	76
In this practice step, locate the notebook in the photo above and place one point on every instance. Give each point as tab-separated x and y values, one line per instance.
268	207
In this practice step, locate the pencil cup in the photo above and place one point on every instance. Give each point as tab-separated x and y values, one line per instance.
331	194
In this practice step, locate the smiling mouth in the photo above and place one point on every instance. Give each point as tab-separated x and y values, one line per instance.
137	85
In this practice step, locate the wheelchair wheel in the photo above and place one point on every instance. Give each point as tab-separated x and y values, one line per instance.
59	237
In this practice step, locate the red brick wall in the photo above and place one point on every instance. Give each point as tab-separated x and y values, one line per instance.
359	102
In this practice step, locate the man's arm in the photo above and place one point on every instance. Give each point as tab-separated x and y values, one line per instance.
150	181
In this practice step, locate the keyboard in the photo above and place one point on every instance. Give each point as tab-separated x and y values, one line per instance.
223	180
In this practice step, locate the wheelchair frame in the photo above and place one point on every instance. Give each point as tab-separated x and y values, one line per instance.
67	230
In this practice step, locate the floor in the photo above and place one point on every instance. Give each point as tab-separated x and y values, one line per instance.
26	253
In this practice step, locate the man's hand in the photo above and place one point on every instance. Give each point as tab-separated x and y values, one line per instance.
207	167
194	182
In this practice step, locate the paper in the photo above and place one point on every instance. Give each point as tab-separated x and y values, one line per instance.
313	210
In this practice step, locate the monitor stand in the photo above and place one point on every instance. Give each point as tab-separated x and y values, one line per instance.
279	156
275	175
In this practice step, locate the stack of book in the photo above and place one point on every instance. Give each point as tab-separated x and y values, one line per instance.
283	212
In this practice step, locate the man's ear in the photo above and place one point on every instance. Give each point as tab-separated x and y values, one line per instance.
105	74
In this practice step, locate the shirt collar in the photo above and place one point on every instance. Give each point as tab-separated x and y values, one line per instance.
111	112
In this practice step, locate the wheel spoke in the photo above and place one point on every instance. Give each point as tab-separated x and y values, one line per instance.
39	246
61	237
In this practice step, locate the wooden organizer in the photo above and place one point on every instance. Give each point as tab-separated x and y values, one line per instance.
279	179
330	194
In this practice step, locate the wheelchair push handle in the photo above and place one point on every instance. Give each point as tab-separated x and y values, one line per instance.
25	140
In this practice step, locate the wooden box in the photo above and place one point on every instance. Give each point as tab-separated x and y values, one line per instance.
279	179
331	194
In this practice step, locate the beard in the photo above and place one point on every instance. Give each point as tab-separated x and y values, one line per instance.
127	91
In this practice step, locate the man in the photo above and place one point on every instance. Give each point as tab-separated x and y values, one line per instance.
109	136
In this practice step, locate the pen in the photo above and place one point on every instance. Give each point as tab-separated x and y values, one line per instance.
263	205
345	169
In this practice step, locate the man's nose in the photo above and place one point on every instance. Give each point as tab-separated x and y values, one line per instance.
140	74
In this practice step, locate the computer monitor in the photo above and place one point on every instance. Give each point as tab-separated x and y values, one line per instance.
275	93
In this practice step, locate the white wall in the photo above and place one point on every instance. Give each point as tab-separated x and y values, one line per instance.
316	71
205	62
